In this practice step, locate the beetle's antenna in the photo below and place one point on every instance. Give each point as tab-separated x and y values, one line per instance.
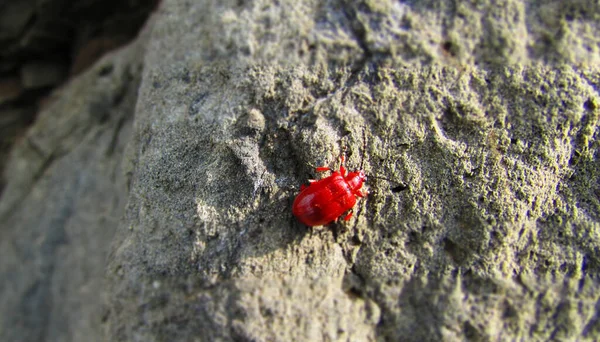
362	161
342	160
362	165
383	178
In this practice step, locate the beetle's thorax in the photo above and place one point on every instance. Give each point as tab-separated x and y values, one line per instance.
355	180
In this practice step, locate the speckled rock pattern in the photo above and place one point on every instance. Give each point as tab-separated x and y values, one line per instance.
64	196
477	124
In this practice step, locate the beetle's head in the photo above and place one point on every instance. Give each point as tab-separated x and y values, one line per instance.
356	179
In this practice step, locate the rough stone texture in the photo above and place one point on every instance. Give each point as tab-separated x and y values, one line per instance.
480	136
477	124
42	42
65	194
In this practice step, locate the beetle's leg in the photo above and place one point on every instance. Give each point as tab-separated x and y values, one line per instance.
361	194
310	181
347	217
342	168
323	168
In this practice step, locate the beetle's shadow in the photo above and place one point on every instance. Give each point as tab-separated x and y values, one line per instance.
281	231
272	227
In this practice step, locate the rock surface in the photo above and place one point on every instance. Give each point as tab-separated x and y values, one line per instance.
43	42
477	124
64	196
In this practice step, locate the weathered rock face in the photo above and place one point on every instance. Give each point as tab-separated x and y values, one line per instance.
481	221
479	134
44	42
65	194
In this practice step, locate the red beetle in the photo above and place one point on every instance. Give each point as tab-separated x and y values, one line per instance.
325	200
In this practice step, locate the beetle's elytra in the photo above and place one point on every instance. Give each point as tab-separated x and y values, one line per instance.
327	199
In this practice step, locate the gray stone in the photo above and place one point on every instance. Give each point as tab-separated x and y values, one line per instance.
479	136
65	192
13	124
483	212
